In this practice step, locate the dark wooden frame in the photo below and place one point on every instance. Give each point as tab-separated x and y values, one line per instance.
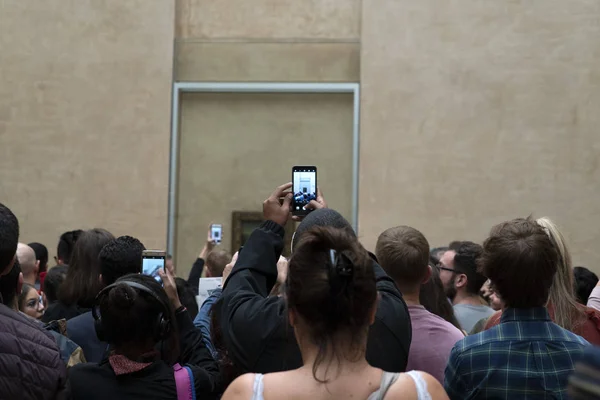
239	217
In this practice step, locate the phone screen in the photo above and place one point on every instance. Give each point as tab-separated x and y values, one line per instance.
216	232
304	181
151	264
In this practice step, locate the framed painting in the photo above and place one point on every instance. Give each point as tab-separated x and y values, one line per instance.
243	223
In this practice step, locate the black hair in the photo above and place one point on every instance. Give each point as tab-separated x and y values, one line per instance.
9	237
130	316
82	283
8	285
465	261
585	281
433	297
120	257
41	254
324	217
187	296
66	244
54	278
228	369
331	289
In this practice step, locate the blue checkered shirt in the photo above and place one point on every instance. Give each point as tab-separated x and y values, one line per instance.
526	356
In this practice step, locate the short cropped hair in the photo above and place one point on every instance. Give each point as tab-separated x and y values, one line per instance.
403	252
585	281
521	261
216	262
465	261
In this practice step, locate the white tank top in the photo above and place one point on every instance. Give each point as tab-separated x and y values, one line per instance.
387	380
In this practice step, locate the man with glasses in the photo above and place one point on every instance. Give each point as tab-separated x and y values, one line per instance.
462	282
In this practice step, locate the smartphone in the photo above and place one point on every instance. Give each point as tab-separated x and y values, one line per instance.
304	181
216	233
152	262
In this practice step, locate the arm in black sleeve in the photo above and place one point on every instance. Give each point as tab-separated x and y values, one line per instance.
249	317
391	333
196	274
193	351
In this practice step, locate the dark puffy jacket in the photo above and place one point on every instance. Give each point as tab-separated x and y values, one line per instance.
30	363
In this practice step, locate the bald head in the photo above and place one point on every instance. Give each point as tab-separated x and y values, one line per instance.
28	262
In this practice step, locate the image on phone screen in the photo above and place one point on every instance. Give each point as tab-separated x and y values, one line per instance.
304	186
151	265
216	231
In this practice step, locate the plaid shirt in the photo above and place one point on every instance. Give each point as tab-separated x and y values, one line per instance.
526	356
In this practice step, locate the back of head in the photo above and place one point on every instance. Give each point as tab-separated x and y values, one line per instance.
403	252
216	262
585	281
325	217
27	260
131	316
187	296
54	279
520	260
120	257
330	289
8	286
66	244
41	255
465	261
9	238
82	283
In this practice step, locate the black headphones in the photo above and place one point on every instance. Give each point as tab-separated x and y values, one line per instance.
162	326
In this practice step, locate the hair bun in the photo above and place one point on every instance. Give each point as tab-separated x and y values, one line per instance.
122	297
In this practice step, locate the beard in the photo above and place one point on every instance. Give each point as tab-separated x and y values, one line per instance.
450	290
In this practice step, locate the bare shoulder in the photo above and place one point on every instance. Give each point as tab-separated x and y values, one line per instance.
241	388
405	388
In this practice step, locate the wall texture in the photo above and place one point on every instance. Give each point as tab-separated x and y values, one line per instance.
236	148
84	116
474	112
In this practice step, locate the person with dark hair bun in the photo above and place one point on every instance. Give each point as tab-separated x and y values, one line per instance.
119	257
254	324
82	282
148	331
331	299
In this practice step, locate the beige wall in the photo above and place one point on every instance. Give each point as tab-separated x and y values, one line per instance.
236	148
84	116
474	112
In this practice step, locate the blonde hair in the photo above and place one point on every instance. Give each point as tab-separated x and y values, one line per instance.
562	295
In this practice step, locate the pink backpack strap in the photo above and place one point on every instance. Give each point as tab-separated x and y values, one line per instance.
184	383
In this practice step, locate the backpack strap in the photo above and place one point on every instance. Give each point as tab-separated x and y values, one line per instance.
184	381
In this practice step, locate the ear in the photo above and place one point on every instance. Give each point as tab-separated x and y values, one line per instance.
460	281
292	318
427	275
101	280
207	272
37	267
374	309
20	284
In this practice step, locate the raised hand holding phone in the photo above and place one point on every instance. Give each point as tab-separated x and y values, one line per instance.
168	278
275	211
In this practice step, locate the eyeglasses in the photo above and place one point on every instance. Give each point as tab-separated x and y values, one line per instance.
445	269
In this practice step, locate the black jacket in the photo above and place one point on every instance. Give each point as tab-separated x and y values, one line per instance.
98	381
255	327
196	274
82	331
30	363
59	310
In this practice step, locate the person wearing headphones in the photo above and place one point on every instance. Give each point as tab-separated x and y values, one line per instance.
150	334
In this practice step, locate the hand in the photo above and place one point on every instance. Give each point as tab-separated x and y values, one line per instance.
313	205
273	210
282	269
168	278
208	246
228	268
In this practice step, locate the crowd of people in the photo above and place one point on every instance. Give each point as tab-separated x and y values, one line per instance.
507	318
